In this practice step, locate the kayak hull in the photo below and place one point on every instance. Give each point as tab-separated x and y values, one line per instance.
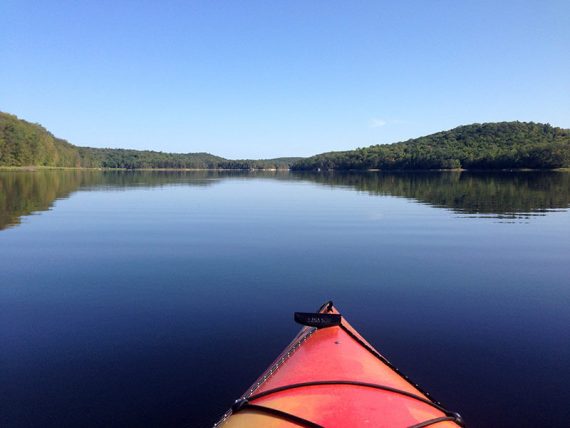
332	377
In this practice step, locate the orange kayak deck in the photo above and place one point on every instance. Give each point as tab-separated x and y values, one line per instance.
330	376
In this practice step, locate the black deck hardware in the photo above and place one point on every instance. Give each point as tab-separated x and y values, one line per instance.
317	320
239	404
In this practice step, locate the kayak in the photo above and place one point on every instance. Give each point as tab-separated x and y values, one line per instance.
330	376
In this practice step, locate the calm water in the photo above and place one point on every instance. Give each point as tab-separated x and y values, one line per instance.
155	299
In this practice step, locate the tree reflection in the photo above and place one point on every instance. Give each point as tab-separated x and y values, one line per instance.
496	194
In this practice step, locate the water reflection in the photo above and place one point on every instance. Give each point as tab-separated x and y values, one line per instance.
26	192
488	194
504	195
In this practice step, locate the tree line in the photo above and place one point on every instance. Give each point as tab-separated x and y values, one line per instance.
29	144
504	145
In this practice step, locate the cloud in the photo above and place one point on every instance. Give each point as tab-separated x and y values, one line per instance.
377	123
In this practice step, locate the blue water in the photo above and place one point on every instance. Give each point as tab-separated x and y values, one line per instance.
157	299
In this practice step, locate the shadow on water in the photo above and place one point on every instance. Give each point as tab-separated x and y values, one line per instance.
503	195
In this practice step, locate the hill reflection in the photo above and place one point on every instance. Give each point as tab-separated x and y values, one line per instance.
25	192
497	194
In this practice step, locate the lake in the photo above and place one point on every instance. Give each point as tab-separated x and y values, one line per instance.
157	298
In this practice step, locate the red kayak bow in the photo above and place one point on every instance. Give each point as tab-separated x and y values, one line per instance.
330	376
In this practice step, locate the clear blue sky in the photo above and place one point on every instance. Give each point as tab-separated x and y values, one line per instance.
259	79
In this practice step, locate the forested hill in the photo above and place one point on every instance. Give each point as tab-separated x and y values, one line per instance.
501	145
23	144
27	144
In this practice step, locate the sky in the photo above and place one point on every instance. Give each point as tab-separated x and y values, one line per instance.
262	79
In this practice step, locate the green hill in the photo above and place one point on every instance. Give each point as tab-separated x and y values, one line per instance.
27	144
501	145
139	159
24	144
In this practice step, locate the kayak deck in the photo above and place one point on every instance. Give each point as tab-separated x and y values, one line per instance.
330	376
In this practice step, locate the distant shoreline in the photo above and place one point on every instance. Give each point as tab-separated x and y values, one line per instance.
82	168
70	168
501	146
